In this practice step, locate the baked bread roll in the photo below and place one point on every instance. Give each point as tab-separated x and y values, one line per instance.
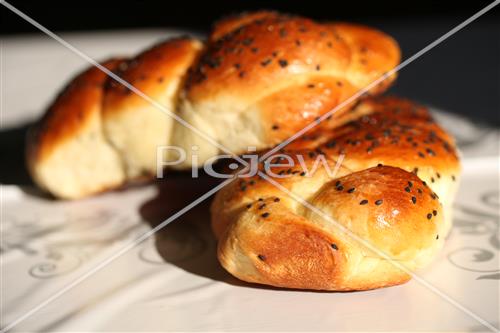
98	135
134	126
67	153
394	189
264	76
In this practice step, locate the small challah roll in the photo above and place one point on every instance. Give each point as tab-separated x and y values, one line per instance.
67	153
392	159
265	76
135	126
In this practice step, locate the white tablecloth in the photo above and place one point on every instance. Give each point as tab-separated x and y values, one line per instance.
173	282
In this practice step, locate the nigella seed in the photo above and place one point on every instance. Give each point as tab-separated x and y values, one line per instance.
261	257
265	62
414	200
434	212
378	202
265	215
352	189
283	63
335	247
363	202
429	216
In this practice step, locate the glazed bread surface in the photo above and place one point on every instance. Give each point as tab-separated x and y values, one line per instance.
67	152
265	75
393	188
134	125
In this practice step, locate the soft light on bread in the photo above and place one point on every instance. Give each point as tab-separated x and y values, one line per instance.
265	76
395	159
67	153
133	125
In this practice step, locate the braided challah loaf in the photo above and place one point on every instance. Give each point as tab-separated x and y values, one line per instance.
394	187
264	76
261	77
98	135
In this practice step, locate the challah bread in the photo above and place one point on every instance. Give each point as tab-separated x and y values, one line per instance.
265	76
67	153
382	192
134	126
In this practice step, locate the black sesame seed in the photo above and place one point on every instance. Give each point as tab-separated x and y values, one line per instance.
432	180
249	205
276	199
275	127
340	188
260	199
407	189
335	247
318	67
337	183
434	212
310	85
283	63
437	236
438	175
410	184
453	177
254	49
429	216
363	202
419	190
265	215
261	257
379	202
242	74
302	173
414	200
262	206
297	42
352	189
266	62
420	154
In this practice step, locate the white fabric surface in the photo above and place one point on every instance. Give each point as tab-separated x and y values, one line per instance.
48	244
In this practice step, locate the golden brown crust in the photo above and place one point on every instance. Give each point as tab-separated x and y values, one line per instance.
281	71
67	115
151	72
395	210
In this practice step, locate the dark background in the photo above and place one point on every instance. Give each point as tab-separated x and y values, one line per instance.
461	75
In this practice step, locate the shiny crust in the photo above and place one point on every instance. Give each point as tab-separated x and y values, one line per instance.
151	72
267	237
284	71
133	124
69	112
